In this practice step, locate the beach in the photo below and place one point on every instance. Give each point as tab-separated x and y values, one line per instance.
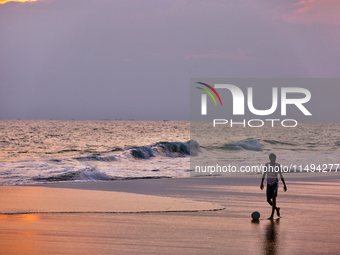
173	219
145	127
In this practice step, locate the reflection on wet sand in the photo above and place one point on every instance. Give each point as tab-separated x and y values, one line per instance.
26	240
19	217
271	240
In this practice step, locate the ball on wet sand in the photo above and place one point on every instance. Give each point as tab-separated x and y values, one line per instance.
255	215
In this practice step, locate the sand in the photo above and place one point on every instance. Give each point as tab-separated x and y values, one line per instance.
23	199
308	224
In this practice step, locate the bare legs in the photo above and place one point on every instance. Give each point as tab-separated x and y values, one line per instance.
273	204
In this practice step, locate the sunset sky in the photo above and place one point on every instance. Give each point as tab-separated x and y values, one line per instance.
129	59
5	1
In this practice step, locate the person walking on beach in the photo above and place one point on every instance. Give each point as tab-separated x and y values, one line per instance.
272	169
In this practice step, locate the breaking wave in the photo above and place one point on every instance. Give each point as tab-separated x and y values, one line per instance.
97	158
87	174
165	149
247	144
278	142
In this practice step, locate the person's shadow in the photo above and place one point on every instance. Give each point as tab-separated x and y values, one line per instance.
271	241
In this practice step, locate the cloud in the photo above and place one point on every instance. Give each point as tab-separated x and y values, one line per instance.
305	6
310	12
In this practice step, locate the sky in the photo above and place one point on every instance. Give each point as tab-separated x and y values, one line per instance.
130	59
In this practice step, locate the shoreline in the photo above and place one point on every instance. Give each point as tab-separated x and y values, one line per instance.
34	199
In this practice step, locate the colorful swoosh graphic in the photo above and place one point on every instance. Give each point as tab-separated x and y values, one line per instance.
213	90
208	93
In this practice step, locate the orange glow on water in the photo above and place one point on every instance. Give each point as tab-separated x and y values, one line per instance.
5	1
19	217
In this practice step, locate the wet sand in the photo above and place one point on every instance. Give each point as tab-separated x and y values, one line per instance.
21	199
308	224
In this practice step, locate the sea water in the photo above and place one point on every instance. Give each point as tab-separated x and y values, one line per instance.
310	147
34	151
70	150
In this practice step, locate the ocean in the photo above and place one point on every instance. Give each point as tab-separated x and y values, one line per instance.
34	151
44	151
311	148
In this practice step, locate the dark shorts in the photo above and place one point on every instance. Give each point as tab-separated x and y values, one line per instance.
272	190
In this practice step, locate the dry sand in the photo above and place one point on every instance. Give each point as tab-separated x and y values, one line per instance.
308	224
